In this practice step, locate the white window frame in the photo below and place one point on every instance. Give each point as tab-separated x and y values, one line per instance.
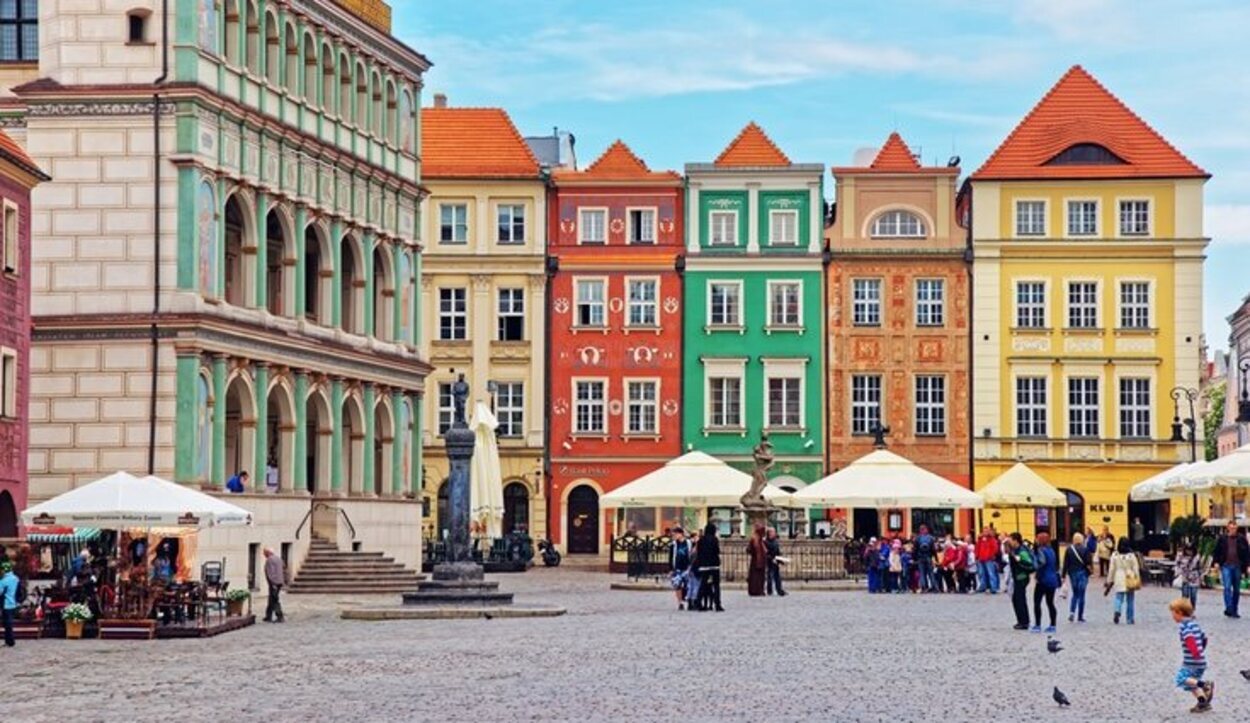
10	239
601	403
463	314
792	370
511	312
1149	217
602	303
1082	305
509	414
1084	417
1031	304
442	411
651	229
889	224
773	215
737	323
863	419
1068	218
722	368
652	404
868	305
512	239
582	237
1136	418
1016	226
929	395
653	304
1039	417
455	226
930	311
1134	308
732	214
773	323
8	383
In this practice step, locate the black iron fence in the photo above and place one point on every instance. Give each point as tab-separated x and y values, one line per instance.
651	557
510	553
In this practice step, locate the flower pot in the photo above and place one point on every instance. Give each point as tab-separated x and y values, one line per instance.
73	629
234	608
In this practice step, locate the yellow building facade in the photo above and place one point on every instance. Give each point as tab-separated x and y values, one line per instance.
483	294
1087	235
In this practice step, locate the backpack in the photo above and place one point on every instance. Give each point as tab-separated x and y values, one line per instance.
20	594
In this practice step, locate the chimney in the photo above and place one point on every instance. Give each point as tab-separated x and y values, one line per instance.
440	100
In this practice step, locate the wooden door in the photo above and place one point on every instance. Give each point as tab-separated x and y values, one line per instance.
583	521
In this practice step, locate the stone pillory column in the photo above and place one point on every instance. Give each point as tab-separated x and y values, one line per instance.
459	443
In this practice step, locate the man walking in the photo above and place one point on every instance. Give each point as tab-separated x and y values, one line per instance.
275	575
987	562
8	600
1232	555
1020	568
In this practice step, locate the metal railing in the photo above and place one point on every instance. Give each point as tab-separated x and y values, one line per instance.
323	506
514	552
651	557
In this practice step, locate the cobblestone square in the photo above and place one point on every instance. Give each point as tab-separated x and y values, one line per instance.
813	655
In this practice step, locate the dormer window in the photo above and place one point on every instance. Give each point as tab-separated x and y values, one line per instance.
1086	154
898	224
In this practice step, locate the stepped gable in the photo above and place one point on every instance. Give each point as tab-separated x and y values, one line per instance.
618	163
1078	110
752	148
473	143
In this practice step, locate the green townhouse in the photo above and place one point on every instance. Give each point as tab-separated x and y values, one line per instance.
754	341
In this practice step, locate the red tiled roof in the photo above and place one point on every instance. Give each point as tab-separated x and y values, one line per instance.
473	143
1079	110
15	153
752	147
895	156
618	163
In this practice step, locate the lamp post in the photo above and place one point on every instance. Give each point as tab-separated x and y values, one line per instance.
1190	422
1243	401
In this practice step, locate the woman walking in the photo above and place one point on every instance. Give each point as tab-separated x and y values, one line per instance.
708	558
1124	577
1106	547
1047	581
1076	569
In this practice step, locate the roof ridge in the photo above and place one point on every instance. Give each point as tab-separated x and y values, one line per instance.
895	155
771	154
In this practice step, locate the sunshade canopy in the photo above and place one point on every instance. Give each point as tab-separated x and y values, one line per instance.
485	477
1231	470
1163	485
694	479
1020	486
884	480
122	500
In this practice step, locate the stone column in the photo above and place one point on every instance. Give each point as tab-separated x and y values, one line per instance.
185	408
262	243
418	443
366	247
753	218
336	282
301	252
301	431
219	474
370	439
398	285
262	425
459	443
336	436
418	288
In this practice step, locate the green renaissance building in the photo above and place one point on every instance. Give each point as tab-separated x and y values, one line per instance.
754	338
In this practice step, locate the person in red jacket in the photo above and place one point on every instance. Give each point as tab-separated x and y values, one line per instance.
987	561
952	561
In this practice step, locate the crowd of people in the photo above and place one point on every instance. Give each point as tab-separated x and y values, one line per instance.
696	563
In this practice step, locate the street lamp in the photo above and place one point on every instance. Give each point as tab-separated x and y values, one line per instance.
1190	422
1243	404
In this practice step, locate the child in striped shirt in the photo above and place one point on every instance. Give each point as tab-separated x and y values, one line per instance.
1194	655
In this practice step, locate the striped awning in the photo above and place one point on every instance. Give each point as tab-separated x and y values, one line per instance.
62	534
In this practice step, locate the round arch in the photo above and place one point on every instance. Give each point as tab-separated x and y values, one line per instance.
8	515
291	58
240	440
353	444
231	39
320	435
273	48
252	29
582	518
351	263
238	215
279	260
392	115
516	505
346	90
312	72
384	290
318	273
329	78
279	437
383	444
362	96
929	228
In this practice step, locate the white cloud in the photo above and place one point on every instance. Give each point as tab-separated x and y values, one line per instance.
1228	223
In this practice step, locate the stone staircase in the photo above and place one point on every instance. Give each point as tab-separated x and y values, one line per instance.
329	570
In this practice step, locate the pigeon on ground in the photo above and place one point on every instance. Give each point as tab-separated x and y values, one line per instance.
1053	646
1060	698
1246	673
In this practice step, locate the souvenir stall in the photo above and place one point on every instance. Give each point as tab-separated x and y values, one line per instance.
146	582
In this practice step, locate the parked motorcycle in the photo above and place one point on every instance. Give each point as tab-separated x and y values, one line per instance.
551	556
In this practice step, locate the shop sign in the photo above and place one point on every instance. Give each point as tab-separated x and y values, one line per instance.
1106	508
573	471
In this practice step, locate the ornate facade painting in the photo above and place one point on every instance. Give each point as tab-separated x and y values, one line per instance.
206	229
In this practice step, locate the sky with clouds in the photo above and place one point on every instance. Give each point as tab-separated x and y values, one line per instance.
677	79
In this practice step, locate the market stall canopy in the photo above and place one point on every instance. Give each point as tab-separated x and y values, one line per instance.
694	479
884	480
1231	470
122	500
485	477
62	534
1164	485
1020	486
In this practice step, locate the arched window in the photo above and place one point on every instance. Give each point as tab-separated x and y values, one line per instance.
252	48
233	56
291	81
392	119
273	49
406	136
328	78
516	508
1086	154
346	97
311	72
208	25
375	80
362	97
898	224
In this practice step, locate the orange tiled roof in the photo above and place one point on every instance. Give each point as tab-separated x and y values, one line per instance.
618	163
17	154
895	156
752	147
1079	110
473	143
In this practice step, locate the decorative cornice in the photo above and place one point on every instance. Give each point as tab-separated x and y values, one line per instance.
103	108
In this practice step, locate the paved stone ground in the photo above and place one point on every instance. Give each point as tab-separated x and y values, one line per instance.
630	656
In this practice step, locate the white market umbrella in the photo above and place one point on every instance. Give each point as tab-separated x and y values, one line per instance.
122	500
884	480
485	477
1020	486
1164	485
694	479
1231	470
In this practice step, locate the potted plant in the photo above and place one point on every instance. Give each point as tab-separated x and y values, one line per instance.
234	601
75	616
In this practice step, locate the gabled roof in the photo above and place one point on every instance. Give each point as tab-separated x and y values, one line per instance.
1078	110
473	143
895	156
618	163
752	147
11	151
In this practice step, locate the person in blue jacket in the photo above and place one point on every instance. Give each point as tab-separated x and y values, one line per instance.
925	546
1047	575
8	600
883	563
238	483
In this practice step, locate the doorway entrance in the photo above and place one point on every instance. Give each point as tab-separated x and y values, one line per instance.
8	515
583	521
867	523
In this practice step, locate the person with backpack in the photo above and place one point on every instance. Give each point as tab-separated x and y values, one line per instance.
11	596
1020	567
681	565
1076	568
925	545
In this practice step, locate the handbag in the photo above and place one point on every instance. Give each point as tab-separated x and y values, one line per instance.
1178	582
1132	581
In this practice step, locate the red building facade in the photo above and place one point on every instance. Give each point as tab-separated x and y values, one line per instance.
18	174
615	233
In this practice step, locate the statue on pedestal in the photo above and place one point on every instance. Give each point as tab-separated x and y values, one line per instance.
754	498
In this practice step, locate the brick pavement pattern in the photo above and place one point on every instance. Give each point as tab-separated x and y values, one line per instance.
632	656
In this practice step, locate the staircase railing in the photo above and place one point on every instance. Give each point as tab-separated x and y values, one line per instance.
323	506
